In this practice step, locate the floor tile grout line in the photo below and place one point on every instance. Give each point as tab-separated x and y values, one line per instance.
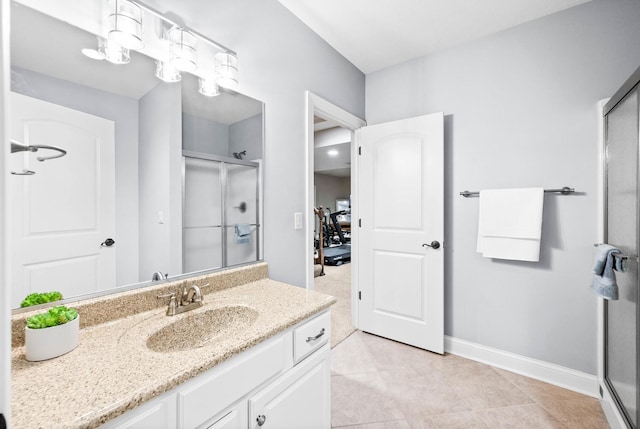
369	423
514	385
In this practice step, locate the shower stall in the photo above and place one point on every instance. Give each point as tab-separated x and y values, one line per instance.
221	212
620	318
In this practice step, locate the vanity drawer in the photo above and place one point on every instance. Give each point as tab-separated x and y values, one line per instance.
311	336
222	386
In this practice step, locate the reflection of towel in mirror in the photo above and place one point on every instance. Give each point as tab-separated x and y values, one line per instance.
243	233
604	280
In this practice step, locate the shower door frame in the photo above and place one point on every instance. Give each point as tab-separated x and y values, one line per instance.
607	390
224	161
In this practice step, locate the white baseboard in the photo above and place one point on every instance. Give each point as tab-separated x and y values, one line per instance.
557	375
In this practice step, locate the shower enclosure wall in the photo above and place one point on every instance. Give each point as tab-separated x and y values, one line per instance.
619	372
221	218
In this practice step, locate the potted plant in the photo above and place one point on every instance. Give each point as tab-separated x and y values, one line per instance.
52	334
40	298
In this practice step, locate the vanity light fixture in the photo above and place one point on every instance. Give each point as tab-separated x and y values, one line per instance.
166	72
125	24
175	47
208	87
108	50
116	54
227	69
94	54
183	49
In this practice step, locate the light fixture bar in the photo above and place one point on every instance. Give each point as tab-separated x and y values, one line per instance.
175	24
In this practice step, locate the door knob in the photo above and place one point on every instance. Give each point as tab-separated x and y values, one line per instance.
108	242
261	419
434	245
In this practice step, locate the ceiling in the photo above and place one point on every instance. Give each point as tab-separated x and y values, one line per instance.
375	34
333	160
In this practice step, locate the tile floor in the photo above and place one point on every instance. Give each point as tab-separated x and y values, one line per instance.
382	384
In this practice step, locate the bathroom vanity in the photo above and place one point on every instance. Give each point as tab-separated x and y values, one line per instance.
256	354
281	383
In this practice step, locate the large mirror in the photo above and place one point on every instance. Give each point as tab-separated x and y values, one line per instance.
157	180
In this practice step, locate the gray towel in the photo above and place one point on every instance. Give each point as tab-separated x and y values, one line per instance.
604	280
243	233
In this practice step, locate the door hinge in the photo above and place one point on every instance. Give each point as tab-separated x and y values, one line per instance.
360	223
360	295
359	150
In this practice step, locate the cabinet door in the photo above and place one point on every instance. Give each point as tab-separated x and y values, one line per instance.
158	414
235	418
299	399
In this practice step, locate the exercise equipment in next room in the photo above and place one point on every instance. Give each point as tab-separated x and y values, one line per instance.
318	257
339	250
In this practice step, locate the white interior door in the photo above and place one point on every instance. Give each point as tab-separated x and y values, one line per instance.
62	214
400	184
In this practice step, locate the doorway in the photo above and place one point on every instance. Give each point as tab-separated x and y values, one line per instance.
333	224
344	124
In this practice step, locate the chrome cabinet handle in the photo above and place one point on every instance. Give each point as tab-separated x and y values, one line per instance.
261	419
434	245
309	339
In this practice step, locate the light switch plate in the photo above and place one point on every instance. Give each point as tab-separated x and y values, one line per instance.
297	223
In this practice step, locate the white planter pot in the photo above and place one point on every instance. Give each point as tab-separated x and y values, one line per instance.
47	343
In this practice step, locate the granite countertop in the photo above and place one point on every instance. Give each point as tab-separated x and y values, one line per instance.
112	370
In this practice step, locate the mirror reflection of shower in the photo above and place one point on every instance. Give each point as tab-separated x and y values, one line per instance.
220	213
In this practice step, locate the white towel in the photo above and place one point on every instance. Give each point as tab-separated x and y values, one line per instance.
510	223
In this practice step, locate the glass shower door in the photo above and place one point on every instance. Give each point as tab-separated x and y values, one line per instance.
202	215
621	316
241	213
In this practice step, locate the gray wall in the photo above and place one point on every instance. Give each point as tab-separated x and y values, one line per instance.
205	136
246	135
279	59
123	111
330	188
160	175
521	111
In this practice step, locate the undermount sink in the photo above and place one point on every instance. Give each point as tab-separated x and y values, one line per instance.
197	329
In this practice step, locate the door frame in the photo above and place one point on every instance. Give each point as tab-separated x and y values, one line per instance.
613	415
5	292
316	105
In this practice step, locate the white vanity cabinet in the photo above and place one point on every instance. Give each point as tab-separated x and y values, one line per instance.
300	399
157	414
281	383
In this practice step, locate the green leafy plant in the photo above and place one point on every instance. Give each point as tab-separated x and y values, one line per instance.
54	317
40	298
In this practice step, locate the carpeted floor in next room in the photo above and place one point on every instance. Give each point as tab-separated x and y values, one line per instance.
337	282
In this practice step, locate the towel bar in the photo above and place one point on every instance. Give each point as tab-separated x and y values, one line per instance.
615	255
564	191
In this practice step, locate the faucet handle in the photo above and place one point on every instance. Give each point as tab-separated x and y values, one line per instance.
168	295
171	309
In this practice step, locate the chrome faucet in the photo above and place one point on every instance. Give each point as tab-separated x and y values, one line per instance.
191	295
158	276
185	299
